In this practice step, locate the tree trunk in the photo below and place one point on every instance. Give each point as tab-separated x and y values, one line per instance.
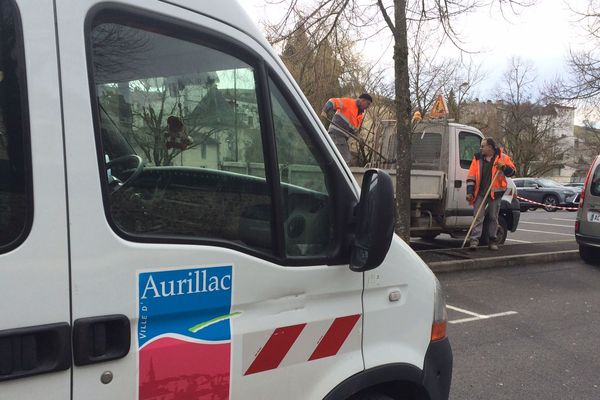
403	125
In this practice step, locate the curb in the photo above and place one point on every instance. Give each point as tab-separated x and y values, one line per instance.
503	261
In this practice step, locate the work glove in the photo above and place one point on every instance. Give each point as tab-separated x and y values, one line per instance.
469	197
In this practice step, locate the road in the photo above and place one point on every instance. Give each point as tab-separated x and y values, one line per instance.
534	226
525	333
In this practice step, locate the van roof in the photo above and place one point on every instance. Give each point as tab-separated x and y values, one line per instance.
229	12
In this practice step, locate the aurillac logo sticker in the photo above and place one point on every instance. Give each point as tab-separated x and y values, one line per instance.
184	333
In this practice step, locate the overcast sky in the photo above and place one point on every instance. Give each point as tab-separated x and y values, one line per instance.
542	33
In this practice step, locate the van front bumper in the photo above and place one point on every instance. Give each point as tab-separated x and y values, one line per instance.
437	370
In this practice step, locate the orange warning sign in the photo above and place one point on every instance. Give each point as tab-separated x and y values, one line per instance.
439	108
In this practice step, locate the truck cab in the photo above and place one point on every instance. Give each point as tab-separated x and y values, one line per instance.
176	223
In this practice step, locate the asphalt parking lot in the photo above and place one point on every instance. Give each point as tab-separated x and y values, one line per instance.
525	333
543	226
534	226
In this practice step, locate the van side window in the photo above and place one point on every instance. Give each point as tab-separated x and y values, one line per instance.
595	182
468	146
16	208
307	202
181	140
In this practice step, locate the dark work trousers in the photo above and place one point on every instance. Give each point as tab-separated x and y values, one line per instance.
341	142
491	212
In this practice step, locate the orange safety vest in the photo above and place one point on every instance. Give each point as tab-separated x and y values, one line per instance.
497	185
348	110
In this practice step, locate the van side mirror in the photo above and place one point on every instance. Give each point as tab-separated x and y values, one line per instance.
375	221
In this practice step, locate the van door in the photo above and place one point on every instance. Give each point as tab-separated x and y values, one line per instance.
468	144
209	222
35	346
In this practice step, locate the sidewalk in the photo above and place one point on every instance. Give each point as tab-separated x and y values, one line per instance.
449	260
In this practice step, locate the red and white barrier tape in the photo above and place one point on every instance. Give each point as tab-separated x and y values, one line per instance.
547	205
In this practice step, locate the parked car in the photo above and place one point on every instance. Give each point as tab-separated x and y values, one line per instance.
587	224
545	191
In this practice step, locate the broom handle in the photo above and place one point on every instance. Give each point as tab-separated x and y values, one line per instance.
479	209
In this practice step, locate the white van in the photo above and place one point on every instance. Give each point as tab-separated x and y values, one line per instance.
163	234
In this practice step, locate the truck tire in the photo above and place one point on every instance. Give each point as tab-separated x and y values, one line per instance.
590	255
501	233
550	200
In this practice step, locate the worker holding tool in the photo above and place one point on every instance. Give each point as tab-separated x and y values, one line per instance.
345	115
486	184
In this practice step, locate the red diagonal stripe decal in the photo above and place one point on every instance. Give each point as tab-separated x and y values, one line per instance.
335	337
273	352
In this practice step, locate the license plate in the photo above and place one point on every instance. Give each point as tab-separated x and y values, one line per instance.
593	216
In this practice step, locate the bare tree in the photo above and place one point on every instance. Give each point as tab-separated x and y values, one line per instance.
582	85
365	20
530	129
591	138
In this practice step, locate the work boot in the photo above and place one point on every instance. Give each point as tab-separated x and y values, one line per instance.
493	245
474	244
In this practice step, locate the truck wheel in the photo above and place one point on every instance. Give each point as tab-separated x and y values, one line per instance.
590	255
524	208
550	200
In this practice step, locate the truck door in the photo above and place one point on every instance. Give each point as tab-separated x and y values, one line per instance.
35	346
208	217
467	144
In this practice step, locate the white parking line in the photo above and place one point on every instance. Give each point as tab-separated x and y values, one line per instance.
502	314
475	316
549	233
564	219
541	223
460	310
517	241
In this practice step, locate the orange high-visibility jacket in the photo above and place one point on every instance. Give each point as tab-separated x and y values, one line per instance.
475	171
348	114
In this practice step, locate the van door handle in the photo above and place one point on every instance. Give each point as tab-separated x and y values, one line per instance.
34	350
457	184
101	339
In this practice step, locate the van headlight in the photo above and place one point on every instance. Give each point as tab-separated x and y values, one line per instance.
440	315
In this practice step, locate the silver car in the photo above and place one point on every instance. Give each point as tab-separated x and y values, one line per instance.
587	225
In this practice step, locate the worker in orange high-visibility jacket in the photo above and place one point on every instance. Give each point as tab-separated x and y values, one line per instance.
484	166
346	115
